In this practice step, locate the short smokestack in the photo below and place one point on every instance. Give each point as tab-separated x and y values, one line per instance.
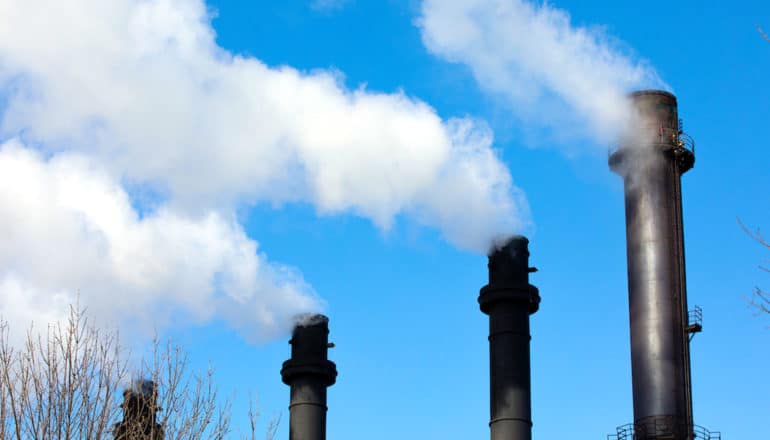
651	160
140	408
309	372
509	299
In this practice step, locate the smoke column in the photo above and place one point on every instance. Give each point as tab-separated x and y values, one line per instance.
549	71
100	94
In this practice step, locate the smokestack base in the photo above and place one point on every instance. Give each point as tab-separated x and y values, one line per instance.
662	428
509	276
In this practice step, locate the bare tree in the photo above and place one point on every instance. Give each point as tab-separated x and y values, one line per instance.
65	383
61	383
272	427
760	299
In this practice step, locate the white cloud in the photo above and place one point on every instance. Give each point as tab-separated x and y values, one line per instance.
71	235
141	85
549	70
140	88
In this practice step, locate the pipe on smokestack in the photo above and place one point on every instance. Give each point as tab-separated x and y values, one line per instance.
651	162
509	299
309	373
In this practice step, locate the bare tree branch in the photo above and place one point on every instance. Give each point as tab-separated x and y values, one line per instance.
760	299
762	32
64	382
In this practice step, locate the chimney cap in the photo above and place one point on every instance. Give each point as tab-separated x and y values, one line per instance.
509	276
648	92
511	245
509	262
310	320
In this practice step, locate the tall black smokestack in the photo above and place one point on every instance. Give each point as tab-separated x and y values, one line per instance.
309	372
651	162
509	299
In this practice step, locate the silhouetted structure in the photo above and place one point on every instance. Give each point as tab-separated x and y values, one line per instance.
140	407
509	299
309	373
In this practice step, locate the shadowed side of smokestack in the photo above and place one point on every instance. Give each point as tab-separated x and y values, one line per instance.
509	299
651	161
309	373
140	408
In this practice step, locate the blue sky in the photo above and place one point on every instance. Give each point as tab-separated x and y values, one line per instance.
397	279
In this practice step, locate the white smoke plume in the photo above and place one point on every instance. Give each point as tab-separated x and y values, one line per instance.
71	236
138	91
547	69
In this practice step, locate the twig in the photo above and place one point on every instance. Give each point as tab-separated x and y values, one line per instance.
764	35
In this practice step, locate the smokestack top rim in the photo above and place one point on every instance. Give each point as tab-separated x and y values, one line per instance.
508	244
652	92
304	320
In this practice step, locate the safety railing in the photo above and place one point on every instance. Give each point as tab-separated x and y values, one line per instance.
694	321
684	140
662	428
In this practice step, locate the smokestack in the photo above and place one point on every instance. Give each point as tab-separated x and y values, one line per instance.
651	162
509	299
309	372
140	408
